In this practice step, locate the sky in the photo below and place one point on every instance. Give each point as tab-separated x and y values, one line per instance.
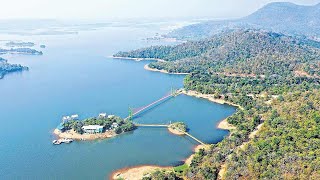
106	9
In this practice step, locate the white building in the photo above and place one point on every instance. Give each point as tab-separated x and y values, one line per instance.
91	129
111	116
102	115
66	118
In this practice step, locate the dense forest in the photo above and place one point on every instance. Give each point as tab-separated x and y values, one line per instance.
250	52
275	79
6	68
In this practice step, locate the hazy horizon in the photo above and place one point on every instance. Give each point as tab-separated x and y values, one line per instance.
126	9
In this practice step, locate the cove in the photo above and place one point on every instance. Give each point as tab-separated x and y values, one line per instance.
75	76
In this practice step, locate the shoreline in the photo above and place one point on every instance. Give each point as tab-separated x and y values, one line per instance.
209	97
225	125
137	172
222	124
146	67
71	134
137	59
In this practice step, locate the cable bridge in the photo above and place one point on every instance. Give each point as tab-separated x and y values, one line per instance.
135	111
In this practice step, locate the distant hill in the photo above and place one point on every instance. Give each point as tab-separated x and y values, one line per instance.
249	52
280	17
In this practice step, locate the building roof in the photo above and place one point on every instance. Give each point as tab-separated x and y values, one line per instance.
75	116
102	115
92	127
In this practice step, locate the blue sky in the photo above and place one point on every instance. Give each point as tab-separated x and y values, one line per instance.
105	9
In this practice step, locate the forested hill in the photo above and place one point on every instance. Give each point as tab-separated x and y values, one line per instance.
242	52
281	17
275	80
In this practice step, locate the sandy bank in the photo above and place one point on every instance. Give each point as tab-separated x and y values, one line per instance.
209	97
136	173
74	135
225	125
146	67
175	131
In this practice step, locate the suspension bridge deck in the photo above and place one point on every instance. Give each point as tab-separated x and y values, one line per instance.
167	126
151	125
141	109
194	138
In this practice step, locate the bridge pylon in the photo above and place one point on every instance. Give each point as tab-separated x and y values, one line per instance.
130	114
173	91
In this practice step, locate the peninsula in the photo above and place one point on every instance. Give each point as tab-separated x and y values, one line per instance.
24	51
6	68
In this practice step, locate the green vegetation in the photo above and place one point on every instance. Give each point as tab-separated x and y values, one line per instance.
6	68
122	125
258	71
249	53
180	170
163	175
288	144
180	126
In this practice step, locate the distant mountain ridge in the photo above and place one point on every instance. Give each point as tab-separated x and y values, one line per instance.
280	17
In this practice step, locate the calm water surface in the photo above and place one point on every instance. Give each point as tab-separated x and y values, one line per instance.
75	76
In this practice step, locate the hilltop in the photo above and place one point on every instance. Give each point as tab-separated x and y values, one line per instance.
281	17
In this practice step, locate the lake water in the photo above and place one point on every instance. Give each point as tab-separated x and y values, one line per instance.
75	76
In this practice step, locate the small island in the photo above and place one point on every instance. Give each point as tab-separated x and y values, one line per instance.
178	128
103	126
20	44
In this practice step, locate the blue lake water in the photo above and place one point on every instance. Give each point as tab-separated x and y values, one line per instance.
76	76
